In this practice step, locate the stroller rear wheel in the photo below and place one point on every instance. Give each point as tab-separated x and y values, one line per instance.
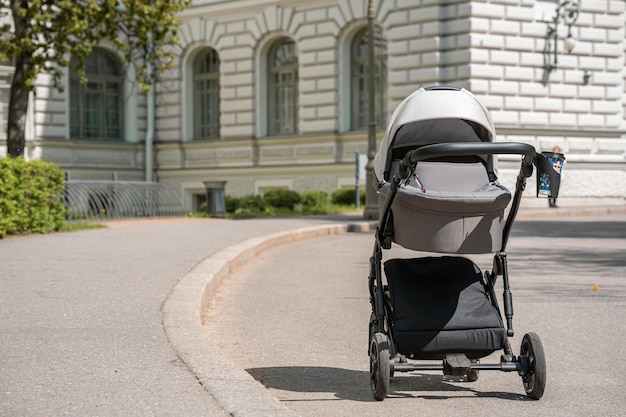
379	366
534	377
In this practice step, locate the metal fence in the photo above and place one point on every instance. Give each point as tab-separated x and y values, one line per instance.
119	199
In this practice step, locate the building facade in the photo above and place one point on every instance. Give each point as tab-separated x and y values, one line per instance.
270	93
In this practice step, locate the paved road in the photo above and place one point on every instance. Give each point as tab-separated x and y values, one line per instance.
298	324
81	330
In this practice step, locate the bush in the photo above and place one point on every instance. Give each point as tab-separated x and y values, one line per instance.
282	198
283	202
246	207
315	198
345	196
231	204
252	203
313	202
31	197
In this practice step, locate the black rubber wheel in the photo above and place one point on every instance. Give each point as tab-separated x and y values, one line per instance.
379	366
534	378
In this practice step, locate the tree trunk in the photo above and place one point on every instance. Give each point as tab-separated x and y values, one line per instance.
18	106
18	99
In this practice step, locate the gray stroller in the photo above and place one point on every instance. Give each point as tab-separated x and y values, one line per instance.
438	192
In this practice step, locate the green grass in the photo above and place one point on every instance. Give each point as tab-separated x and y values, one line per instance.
80	225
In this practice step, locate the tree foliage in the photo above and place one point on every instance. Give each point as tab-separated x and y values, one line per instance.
44	36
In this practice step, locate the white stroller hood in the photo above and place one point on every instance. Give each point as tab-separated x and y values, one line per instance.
435	115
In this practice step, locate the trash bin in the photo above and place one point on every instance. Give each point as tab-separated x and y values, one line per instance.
215	199
549	167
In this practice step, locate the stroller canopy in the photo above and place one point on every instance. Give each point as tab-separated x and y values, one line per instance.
434	115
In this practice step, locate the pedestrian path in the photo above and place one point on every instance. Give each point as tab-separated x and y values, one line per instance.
81	321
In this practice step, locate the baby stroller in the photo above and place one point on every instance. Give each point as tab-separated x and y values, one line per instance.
438	192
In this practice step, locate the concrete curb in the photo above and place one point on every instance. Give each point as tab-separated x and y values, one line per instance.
233	388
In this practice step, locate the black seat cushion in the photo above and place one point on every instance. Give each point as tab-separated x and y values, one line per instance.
439	307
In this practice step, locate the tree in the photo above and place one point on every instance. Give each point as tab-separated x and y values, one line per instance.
46	34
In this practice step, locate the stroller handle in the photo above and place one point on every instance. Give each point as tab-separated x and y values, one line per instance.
463	149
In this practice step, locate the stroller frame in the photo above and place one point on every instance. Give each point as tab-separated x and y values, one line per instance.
385	360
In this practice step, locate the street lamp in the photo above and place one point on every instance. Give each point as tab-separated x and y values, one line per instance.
371	199
566	12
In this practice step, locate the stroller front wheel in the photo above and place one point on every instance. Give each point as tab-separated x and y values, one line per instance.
379	366
534	376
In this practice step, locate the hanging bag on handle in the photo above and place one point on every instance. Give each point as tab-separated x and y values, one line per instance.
549	167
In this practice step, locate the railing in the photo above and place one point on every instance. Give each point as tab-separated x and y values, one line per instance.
119	199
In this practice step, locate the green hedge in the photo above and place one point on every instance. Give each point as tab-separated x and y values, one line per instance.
279	202
30	197
316	199
247	206
346	196
282	198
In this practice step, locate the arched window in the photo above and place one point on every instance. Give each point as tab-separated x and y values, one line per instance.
358	79
206	95
6	75
282	89
96	105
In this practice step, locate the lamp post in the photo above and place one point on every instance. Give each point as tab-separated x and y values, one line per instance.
567	11
371	199
150	113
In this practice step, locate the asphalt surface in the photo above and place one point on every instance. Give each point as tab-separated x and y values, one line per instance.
106	322
300	326
81	320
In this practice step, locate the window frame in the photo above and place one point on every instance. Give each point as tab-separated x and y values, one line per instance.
358	92
105	91
282	78
6	76
206	95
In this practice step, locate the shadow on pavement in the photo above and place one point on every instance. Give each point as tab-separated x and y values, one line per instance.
434	387
585	258
354	385
570	229
344	383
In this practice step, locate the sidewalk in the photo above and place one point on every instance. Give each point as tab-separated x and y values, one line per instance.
82	315
537	208
81	321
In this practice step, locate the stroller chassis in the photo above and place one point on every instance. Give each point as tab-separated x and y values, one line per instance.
530	364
